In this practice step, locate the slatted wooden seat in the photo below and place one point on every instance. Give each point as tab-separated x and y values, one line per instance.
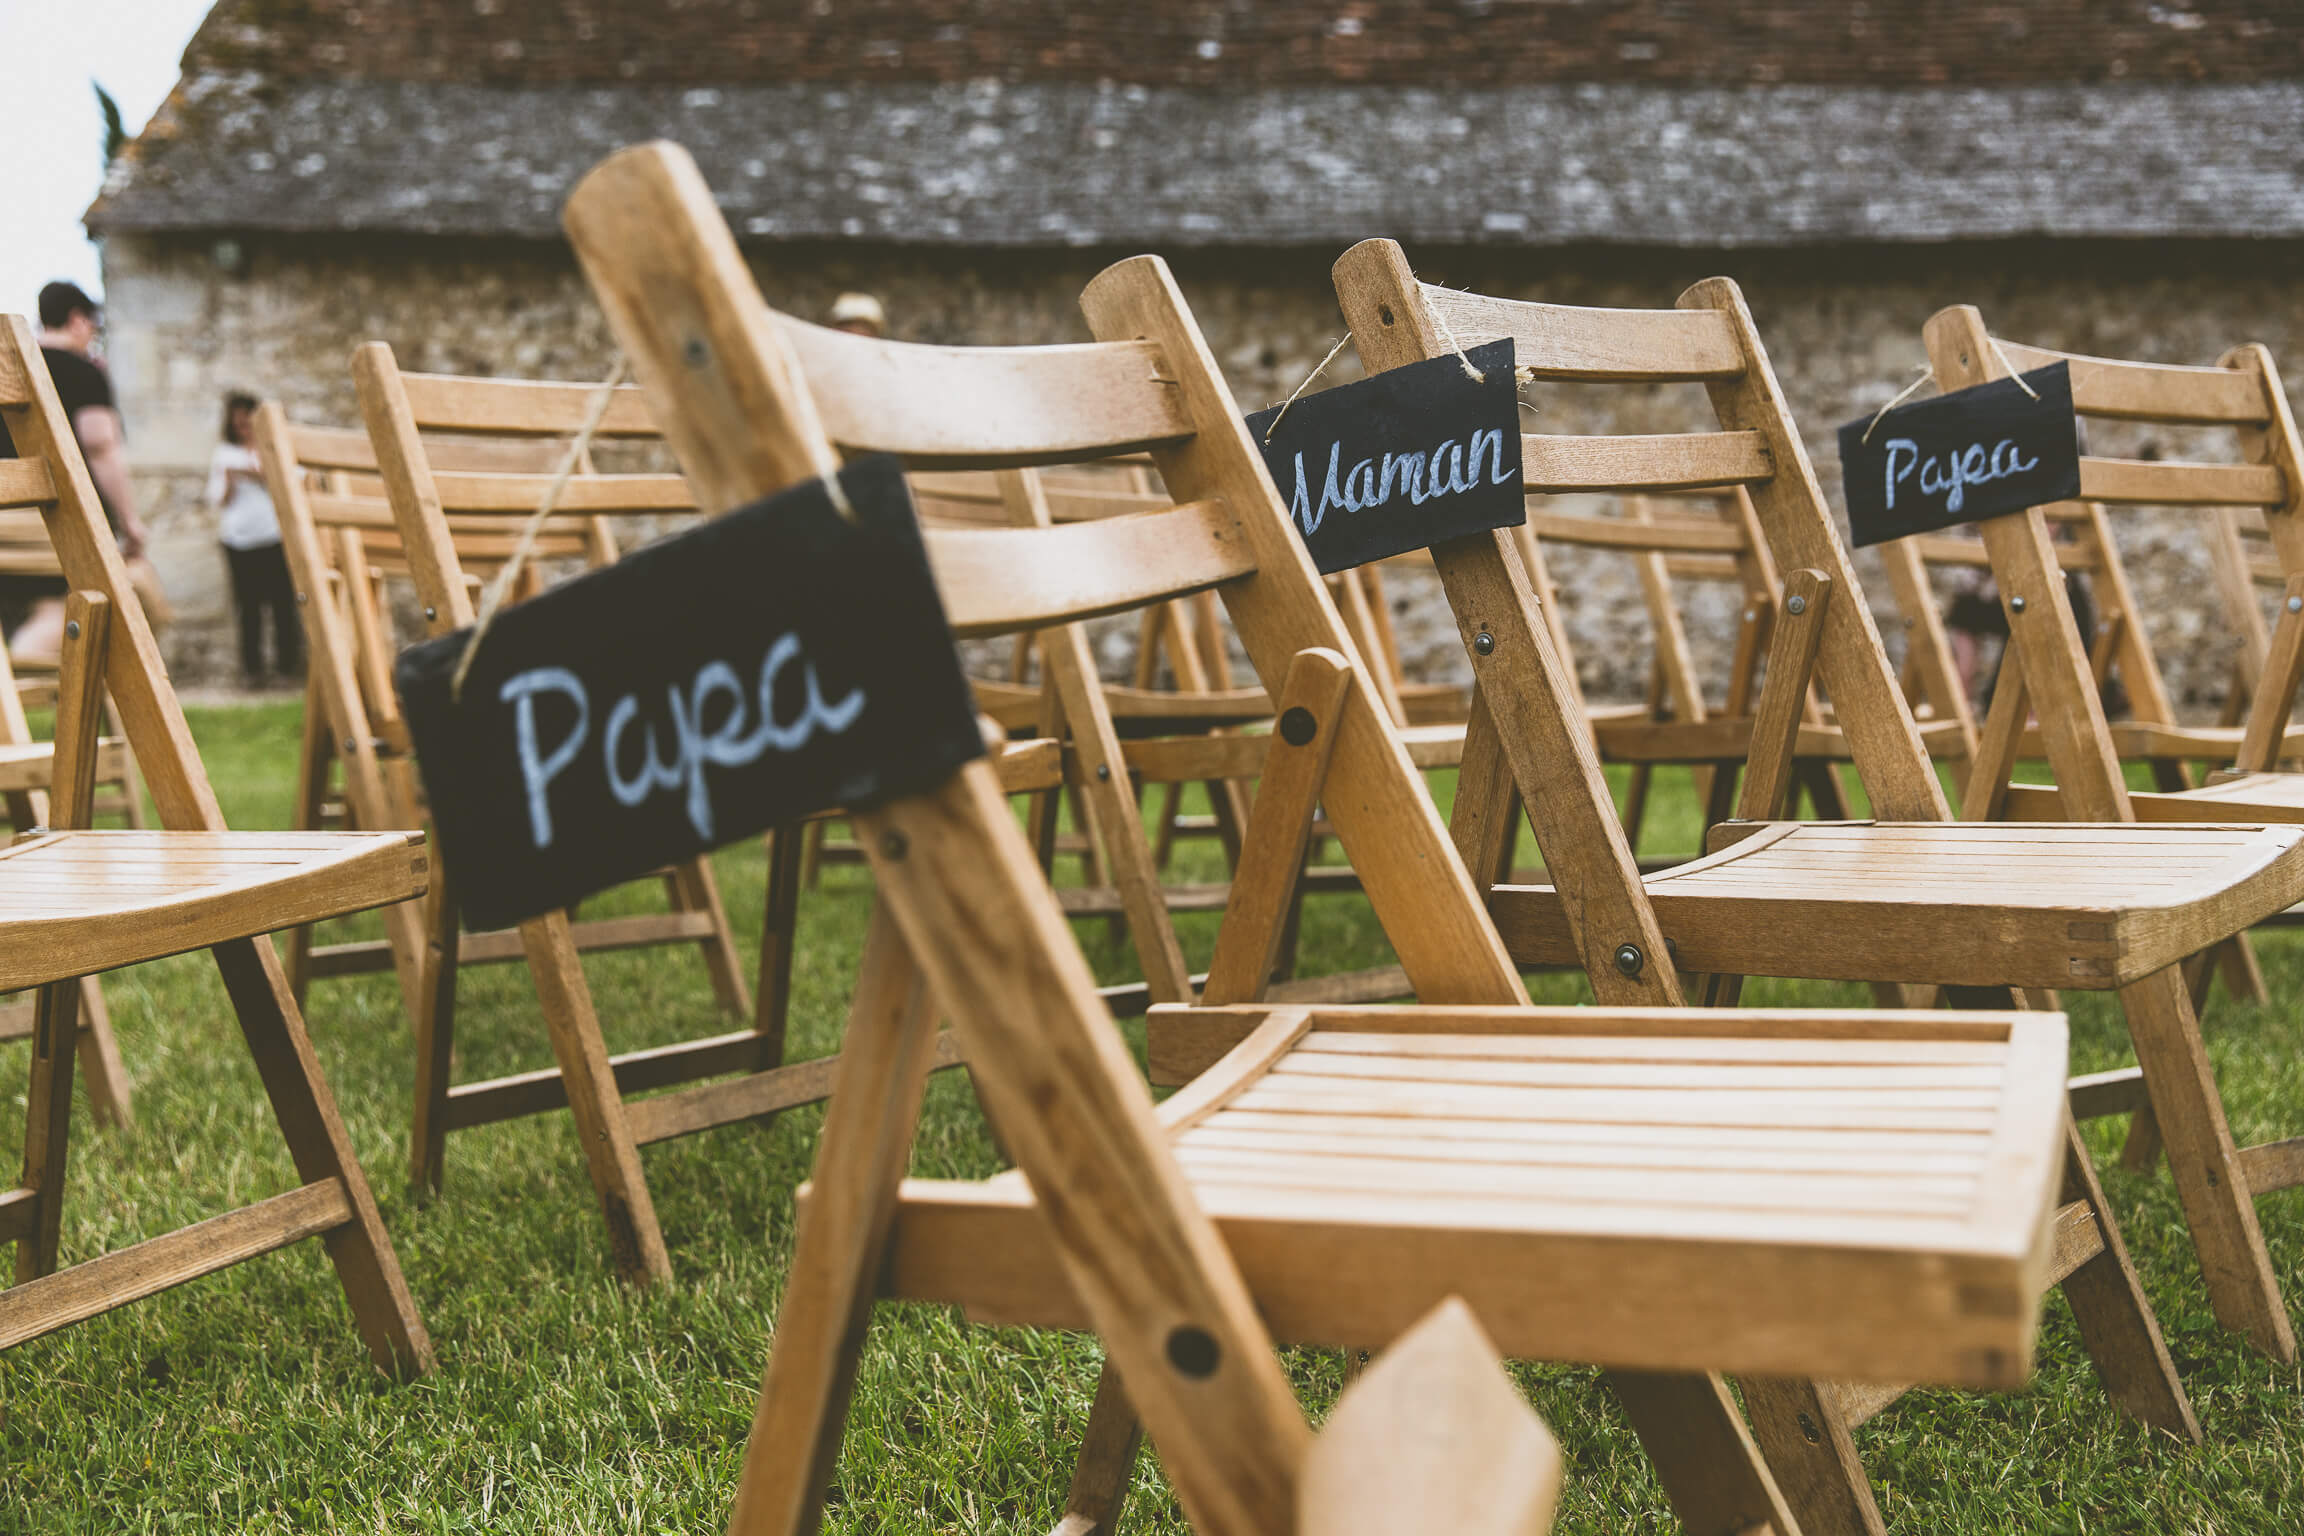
81	902
2055	906
2045	905
753	401
75	901
1363	1162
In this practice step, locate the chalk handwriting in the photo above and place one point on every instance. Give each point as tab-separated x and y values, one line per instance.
1448	470
692	746
1950	475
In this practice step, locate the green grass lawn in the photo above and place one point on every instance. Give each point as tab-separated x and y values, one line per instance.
565	1403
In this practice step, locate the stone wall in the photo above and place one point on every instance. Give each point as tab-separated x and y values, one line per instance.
280	316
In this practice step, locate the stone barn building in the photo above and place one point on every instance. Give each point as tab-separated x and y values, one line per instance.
2109	176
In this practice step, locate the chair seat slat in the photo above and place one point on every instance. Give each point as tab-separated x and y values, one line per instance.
26	483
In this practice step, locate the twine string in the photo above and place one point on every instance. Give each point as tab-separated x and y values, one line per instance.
1317	370
492	598
1907	393
2011	367
1470	372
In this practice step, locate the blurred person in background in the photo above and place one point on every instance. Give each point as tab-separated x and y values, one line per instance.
69	322
250	531
859	314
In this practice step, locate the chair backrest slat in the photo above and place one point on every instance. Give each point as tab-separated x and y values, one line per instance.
26	483
592	494
1681	461
1000	581
1624	533
2173	483
935	406
520	407
2125	391
1560	341
348	448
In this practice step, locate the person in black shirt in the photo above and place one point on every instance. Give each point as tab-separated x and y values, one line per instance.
68	325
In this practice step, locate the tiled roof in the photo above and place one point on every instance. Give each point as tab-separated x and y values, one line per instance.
1238	44
1478	122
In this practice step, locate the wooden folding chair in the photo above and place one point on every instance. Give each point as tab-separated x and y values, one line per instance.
338	524
342	546
2150	732
1909	898
752	401
74	903
2052	674
401	409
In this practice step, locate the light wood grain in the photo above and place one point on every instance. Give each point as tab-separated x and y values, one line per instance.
1433	1436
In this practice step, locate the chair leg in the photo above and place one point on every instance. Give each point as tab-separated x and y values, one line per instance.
1164	839
772	998
812	853
434	1001
313	762
1703	1455
361	1250
1107	1462
1811	1450
2140	1153
2243	976
99	1051
48	1125
609	1150
2218	1205
843	1234
2116	1321
131	777
695	888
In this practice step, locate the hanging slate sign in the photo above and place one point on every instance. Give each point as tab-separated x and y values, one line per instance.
1400	460
1963	457
774	662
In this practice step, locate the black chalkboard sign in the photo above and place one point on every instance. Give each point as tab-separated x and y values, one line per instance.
773	662
1400	460
1962	457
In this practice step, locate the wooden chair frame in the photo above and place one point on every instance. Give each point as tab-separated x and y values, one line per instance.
26	766
1525	736
342	538
114	653
2052	673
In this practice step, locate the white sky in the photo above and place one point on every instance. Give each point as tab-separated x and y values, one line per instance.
49	52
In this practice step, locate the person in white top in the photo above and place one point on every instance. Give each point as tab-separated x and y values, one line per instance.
250	530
